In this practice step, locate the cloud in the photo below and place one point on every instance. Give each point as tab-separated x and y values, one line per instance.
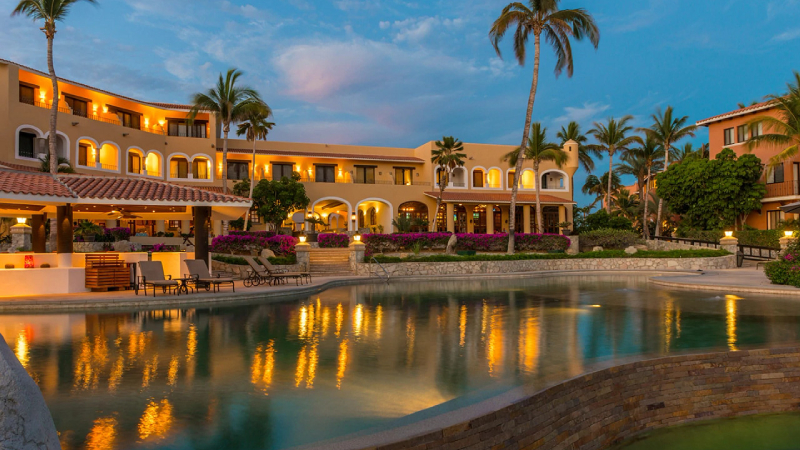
642	18
788	35
582	114
415	29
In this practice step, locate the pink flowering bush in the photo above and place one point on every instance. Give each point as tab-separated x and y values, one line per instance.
244	244
786	270
163	248
333	240
383	243
265	234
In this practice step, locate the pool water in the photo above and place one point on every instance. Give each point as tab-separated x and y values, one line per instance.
764	432
356	359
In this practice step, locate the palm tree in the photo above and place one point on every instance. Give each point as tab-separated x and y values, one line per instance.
784	130
538	151
49	11
626	204
705	151
641	162
685	153
255	127
64	166
540	17
228	103
599	186
446	156
585	154
611	137
667	130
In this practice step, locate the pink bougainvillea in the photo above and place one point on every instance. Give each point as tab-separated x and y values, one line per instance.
241	244
333	240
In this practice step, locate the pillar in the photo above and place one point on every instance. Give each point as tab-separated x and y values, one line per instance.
160	228
217	227
64	227
302	255
731	244
357	251
489	219
504	218
21	238
562	213
202	223
186	226
224	228
451	225
526	218
53	234
38	236
470	218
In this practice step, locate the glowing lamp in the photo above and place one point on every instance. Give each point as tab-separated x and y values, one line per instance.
94	109
309	215
105	109
788	233
161	123
302	238
146	122
353	217
357	237
21	220
29	262
729	234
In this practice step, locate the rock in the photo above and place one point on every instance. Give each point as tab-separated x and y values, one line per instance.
642	247
267	253
25	421
631	250
597	248
451	245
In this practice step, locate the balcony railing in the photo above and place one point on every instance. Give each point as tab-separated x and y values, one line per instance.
783	189
96	117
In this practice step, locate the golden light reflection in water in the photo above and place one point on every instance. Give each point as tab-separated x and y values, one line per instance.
484	319
137	343
529	343
462	326
411	332
672	323
115	378
302	360
307	361
92	359
263	366
326	319
156	420
378	321
172	373
358	319
302	326
342	363
103	435
339	319
494	347
730	320
191	343
21	349
150	371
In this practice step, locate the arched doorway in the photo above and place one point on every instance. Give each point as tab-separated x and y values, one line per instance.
479	219
460	218
417	212
498	219
550	219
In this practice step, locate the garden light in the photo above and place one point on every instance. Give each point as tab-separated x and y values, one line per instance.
788	233
729	234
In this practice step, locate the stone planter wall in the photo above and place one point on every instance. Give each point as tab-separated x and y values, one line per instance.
593	411
537	265
242	271
665	245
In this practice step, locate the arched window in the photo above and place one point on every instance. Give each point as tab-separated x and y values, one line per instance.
178	167
372	217
414	210
135	161
201	169
478	178
361	223
27	142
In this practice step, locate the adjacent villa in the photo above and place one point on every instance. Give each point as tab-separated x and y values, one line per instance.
112	135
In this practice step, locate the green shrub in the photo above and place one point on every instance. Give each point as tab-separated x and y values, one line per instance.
783	272
601	220
758	238
704	253
466	253
610	238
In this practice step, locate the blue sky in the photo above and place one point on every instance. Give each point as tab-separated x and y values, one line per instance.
403	72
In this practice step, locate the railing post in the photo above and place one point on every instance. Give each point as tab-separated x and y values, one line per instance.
357	251
303	256
730	244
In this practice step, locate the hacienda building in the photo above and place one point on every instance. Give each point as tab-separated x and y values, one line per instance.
351	188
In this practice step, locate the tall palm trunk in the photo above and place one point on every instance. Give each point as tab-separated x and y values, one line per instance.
512	213
252	184
610	178
439	203
660	201
53	107
645	225
539	222
225	130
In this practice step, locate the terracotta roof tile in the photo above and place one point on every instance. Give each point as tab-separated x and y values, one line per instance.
20	167
30	183
112	188
495	197
741	111
391	158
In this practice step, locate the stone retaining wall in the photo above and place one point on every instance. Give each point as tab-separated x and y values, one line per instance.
666	245
536	265
241	271
593	411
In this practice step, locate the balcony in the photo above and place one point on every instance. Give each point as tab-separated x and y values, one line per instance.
784	189
347	180
112	119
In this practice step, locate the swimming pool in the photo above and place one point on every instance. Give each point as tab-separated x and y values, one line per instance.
351	359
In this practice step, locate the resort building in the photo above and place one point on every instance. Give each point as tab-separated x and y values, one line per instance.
731	130
351	187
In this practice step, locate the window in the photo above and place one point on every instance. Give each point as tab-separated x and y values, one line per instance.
477	179
179	168
27	145
441	176
324	174
83	154
756	129
511	179
174	225
774	219
775	174
134	163
728	136
200	169
403	175
365	174
280	171
254	215
238	170
26	94
79	107
180	127
127	119
741	133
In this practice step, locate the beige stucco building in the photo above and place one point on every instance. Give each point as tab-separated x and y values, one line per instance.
351	187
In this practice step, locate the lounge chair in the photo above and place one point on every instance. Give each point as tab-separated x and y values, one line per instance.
152	274
262	274
304	275
199	271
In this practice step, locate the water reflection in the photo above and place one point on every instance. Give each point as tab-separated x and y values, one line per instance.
255	377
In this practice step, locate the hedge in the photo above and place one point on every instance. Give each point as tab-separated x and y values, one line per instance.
333	240
381	243
704	253
233	244
610	238
759	238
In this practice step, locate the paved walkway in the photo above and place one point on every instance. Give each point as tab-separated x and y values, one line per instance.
746	279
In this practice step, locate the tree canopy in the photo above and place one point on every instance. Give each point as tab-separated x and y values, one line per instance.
713	194
275	200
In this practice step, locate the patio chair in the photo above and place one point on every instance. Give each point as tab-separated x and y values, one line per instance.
264	275
152	274
199	271
304	275
258	275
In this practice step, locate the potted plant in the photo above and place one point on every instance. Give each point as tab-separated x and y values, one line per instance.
87	230
565	228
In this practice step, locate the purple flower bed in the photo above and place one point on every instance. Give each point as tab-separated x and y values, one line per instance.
163	248
382	243
333	240
243	244
265	234
118	233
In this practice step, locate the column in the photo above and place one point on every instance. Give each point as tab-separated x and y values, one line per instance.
202	223
470	221
20	238
186	226
53	238
217	227
526	218
302	255
160	228
64	235
451	226
504	218
489	219
38	236
731	244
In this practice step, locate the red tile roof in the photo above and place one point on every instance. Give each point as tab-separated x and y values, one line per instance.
495	197
15	166
739	112
107	188
389	158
